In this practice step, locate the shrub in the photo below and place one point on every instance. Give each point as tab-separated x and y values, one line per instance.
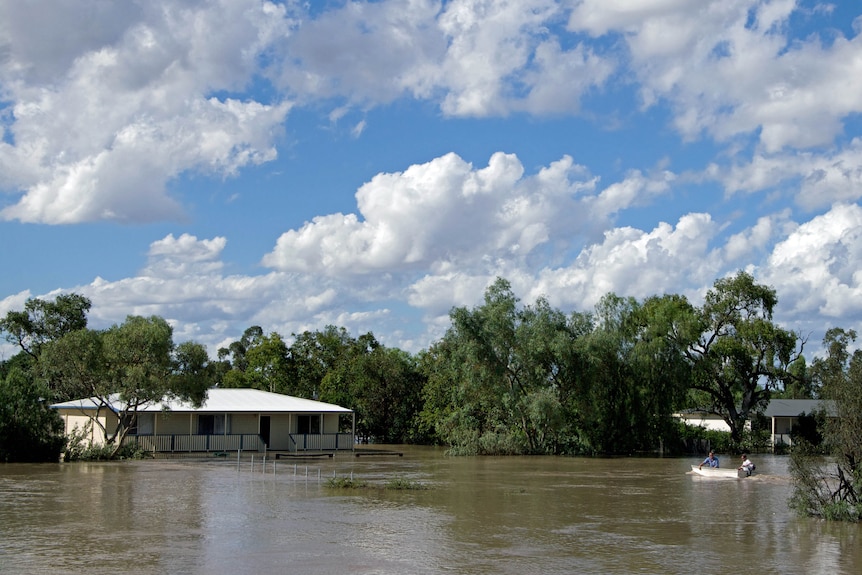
402	483
345	483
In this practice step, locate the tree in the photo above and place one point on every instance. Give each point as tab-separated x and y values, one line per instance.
236	351
314	354
29	429
741	355
42	321
268	364
383	386
495	382
817	491
125	368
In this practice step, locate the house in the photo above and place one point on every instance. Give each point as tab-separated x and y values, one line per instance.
783	415
703	419
229	420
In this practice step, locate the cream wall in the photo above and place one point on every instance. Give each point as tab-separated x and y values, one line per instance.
330	423
244	424
87	420
173	424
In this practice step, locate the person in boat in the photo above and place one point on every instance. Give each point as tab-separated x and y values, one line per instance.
747	465
711	461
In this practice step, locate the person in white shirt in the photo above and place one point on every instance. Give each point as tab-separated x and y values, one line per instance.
747	465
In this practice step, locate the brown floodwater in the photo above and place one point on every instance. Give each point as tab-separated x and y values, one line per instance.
484	515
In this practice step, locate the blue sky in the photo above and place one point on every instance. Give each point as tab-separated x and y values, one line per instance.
370	165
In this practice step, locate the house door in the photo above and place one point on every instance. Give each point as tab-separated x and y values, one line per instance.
264	429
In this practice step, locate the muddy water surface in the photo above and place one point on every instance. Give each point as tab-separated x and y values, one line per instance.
518	515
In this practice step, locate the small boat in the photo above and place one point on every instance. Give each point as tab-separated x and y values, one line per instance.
718	472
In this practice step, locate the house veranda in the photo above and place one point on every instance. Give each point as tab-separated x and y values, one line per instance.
229	420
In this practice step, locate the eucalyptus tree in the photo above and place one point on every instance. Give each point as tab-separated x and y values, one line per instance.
234	356
740	354
135	362
267	364
383	387
313	354
496	379
42	321
29	429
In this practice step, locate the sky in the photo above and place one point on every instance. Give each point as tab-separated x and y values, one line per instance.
370	165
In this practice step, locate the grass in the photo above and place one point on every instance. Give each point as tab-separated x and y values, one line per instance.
345	483
396	483
402	483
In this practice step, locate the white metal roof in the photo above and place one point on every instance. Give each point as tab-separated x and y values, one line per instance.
225	400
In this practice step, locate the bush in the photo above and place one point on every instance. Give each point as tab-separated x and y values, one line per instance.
402	483
345	483
79	448
29	429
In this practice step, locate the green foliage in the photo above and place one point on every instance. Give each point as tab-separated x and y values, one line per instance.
809	429
42	321
740	355
718	441
345	482
29	429
79	448
832	488
404	484
518	380
126	367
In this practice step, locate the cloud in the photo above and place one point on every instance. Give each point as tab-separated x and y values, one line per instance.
636	263
729	68
475	58
817	267
107	107
445	214
816	180
130	108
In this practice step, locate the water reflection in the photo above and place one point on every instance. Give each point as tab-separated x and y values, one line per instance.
482	515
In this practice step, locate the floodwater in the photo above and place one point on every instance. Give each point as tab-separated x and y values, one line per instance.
479	515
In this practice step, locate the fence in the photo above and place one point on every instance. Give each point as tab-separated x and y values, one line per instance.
189	443
321	441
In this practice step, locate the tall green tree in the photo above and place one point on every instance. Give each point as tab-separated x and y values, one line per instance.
313	354
235	356
496	380
268	367
741	355
383	386
42	321
135	362
29	429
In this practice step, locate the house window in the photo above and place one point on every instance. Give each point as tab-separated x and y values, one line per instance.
308	424
146	423
211	424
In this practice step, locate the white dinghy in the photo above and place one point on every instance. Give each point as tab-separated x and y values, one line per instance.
718	472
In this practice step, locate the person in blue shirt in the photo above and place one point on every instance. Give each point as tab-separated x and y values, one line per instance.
711	461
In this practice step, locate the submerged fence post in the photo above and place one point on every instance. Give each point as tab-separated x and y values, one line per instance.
252	462
237	459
